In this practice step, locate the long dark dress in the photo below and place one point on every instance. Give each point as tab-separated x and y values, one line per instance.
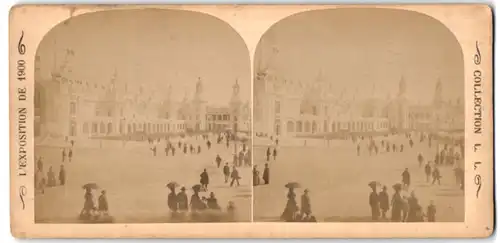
103	203
89	202
62	177
406	178
204	178
431	213
265	176
291	208
397	207
305	205
256	179
374	204
212	204
182	201
383	199
172	201
196	203
413	208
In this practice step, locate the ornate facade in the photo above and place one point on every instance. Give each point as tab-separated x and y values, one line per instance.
294	108
237	113
66	106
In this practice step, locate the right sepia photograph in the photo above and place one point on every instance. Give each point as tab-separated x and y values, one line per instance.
358	116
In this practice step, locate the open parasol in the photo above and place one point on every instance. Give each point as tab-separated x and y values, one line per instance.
172	185
292	185
90	186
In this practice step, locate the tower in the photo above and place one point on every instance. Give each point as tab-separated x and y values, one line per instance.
438	94
402	87
198	112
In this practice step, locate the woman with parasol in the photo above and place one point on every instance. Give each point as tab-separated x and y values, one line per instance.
172	197
397	203
291	207
374	200
88	205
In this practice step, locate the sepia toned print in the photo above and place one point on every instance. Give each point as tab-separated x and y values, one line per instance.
359	117
192	121
142	117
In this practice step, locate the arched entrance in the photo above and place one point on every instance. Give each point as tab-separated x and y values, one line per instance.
290	127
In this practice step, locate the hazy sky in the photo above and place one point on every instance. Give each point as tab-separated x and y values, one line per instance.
155	47
356	48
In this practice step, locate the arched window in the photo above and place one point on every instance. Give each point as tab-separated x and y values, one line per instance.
94	127
110	128
334	127
134	127
129	128
307	126
314	127
102	127
290	126
299	126
325	125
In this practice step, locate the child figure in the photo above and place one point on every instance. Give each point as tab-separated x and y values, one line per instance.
431	212
103	204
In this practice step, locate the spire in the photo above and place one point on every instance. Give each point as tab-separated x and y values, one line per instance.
438	93
199	87
236	88
402	86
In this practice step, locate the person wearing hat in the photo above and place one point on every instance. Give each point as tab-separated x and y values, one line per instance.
103	204
436	176
256	179
235	176
291	207
218	160
204	180
231	211
406	178
266	174
413	208
374	201
383	198
431	212
226	172
62	175
420	160
396	204
305	205
182	200
212	202
195	202
172	199
428	171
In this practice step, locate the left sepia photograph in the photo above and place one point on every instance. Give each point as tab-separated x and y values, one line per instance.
142	116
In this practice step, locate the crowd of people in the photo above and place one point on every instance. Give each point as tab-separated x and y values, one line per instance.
197	208
403	204
404	207
202	208
48	180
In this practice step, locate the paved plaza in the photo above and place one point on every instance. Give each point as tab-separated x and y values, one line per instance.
338	181
135	181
